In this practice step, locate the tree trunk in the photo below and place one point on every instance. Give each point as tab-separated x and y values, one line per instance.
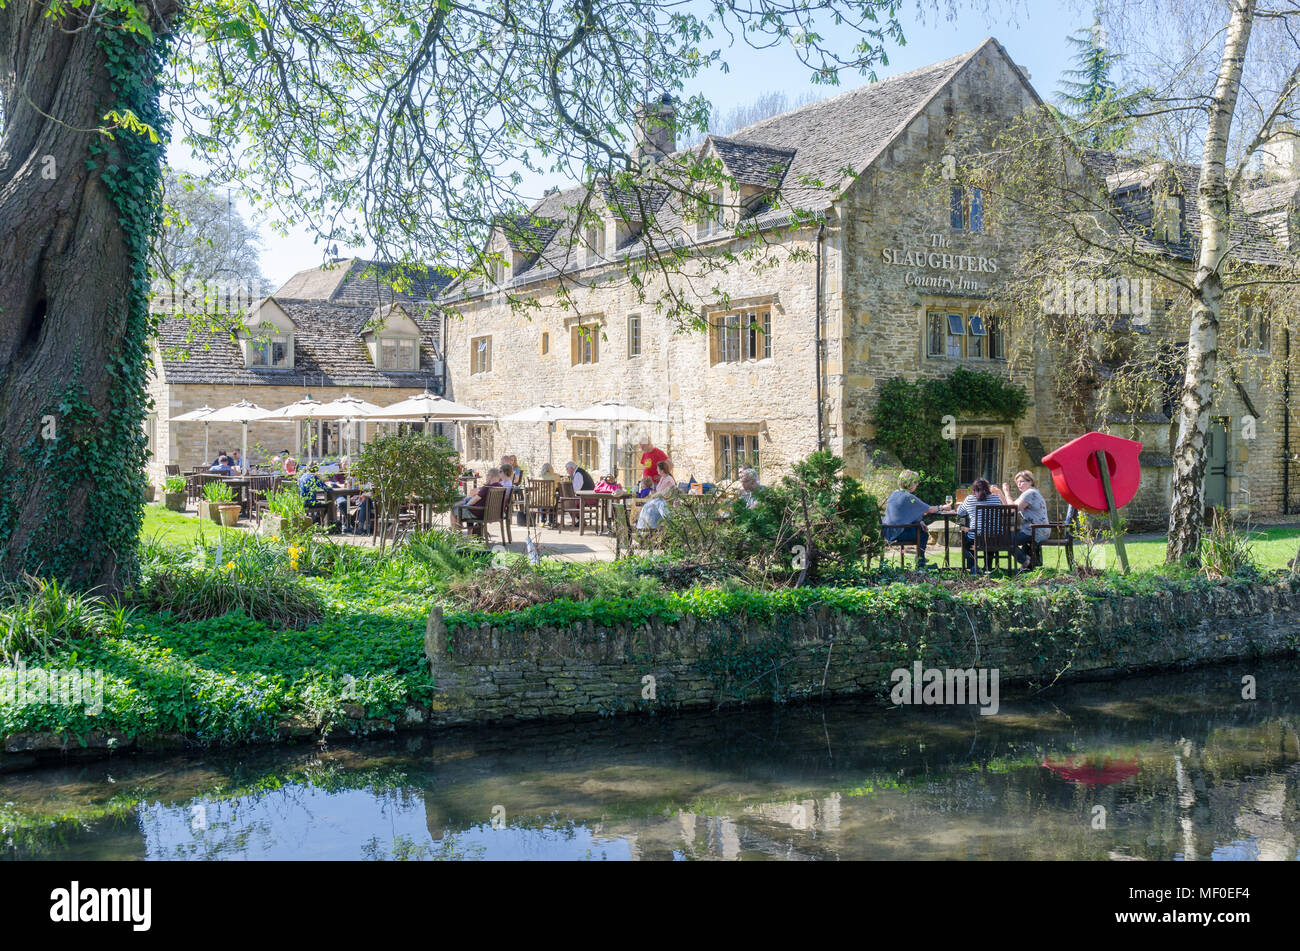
1187	511
73	334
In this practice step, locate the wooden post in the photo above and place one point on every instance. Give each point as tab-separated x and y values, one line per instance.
1111	508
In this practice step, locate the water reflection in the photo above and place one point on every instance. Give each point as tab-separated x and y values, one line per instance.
1167	767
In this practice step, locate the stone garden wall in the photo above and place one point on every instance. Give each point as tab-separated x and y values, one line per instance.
488	674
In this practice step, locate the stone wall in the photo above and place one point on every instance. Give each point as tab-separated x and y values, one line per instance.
488	674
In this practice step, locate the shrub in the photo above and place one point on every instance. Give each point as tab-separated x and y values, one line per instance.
1225	551
447	554
215	492
38	615
286	501
405	467
174	485
815	523
512	589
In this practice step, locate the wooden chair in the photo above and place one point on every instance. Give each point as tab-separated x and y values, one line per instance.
902	546
172	469
1062	537
494	510
995	535
539	501
585	513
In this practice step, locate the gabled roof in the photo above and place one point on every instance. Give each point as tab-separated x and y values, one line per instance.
328	350
819	150
355	280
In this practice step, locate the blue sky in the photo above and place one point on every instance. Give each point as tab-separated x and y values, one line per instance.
1037	42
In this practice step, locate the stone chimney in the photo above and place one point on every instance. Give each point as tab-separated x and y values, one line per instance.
1280	157
656	131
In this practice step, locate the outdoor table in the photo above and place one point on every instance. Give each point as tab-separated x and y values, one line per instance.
241	484
335	493
948	518
602	500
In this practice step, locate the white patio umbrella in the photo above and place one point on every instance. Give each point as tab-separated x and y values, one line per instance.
243	413
546	413
347	407
613	412
427	406
306	408
195	415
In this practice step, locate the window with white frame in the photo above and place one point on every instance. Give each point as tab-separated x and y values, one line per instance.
269	351
710	223
963	333
595	244
740	335
584	343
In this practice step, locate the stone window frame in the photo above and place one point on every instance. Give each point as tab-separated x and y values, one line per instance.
634	328
480	360
748	335
1167	212
586	455
479	441
584	340
713	223
1255	330
992	325
967	210
544	346
980	437
265	343
727	468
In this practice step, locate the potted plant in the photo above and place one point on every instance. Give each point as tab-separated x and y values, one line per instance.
215	494
229	513
173	491
287	512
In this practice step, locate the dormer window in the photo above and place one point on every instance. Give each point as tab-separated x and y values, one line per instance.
711	223
595	244
399	354
1167	218
270	352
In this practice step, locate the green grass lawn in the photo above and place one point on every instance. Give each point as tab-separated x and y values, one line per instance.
176	529
1272	547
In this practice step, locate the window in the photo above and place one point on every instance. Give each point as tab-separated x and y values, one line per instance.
269	352
739	336
480	355
595	244
1256	329
711	224
151	433
1167	218
980	457
634	335
736	451
546	343
963	334
586	452
585	343
966	211
478	442
398	353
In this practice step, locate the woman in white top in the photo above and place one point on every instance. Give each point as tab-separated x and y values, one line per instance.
1033	511
656	510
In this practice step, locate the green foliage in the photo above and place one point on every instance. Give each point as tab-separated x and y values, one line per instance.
406	467
286	501
38	615
1096	109
218	492
815	522
1225	552
909	419
174	485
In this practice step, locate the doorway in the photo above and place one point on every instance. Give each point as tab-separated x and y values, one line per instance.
1216	464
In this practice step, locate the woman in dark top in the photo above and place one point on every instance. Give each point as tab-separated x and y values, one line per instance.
981	496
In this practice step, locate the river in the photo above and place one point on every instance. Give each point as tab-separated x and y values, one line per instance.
1175	766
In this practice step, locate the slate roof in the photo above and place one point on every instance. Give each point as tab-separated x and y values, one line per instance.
328	351
354	280
1258	228
817	149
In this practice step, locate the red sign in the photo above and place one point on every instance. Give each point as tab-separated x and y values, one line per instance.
1078	480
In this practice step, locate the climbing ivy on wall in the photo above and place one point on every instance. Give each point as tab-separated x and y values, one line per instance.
909	418
105	449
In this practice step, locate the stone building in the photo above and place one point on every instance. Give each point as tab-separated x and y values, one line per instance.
327	332
873	268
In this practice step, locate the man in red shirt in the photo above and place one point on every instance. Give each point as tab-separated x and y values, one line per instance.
650	458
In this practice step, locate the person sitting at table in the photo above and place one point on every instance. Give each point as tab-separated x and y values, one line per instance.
651	457
981	496
518	471
290	465
1033	511
216	460
223	466
647	486
472	507
582	480
237	462
903	513
749	484
656	510
507	471
309	483
608	484
548	474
